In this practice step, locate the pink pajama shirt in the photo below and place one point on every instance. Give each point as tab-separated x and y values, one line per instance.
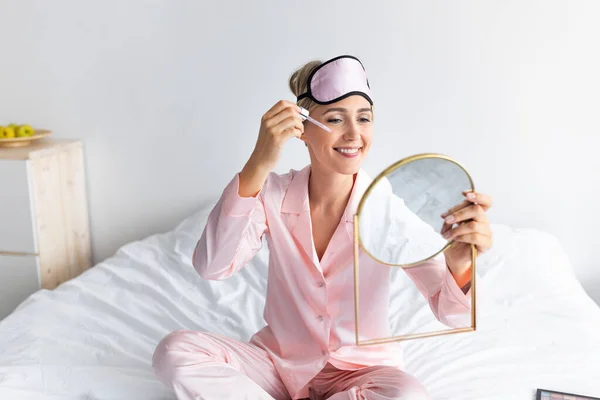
308	347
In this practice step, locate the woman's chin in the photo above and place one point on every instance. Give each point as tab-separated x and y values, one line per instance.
347	168
343	166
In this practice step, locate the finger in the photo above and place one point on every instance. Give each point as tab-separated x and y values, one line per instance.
482	242
290	126
278	107
282	116
294	132
445	228
474	211
468	227
457	207
479	198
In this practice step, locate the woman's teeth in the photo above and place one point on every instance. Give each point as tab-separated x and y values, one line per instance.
348	151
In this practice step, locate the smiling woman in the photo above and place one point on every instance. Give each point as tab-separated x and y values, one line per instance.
307	348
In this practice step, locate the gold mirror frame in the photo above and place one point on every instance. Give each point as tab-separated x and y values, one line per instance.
358	245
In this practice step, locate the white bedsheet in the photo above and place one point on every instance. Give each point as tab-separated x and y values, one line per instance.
93	337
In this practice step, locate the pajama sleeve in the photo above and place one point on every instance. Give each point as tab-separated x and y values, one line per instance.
450	305
447	301
232	235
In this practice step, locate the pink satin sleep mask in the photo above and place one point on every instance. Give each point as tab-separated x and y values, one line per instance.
337	79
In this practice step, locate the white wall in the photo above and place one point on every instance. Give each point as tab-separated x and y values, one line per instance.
167	97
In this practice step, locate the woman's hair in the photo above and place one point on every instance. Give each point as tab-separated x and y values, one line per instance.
298	82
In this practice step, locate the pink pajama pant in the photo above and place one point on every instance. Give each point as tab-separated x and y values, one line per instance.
199	365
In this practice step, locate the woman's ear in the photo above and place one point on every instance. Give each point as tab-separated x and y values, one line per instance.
302	137
304	140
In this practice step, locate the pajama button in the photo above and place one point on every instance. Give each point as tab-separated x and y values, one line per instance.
320	317
324	352
320	284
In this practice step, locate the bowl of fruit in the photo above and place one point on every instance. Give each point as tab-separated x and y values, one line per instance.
14	135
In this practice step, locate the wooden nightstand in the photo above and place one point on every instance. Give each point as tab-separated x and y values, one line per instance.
44	224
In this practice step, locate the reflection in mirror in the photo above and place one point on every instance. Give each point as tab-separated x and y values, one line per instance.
430	187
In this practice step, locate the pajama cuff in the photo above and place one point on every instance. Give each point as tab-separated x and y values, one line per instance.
459	295
236	206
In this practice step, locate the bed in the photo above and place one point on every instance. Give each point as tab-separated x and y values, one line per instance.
93	337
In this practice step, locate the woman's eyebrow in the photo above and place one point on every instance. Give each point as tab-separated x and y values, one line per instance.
333	109
344	110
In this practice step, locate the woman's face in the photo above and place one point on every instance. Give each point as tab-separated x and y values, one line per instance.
344	148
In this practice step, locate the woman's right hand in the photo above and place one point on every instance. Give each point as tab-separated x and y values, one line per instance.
278	125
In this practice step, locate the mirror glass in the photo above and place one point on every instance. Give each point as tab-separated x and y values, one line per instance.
400	218
400	225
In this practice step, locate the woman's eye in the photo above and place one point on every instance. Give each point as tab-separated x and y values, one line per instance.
334	120
365	119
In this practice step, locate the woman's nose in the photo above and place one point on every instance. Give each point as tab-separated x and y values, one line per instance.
353	132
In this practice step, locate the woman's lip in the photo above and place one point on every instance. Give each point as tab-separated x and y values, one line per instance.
349	155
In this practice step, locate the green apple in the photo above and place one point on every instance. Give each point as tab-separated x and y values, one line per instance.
24	131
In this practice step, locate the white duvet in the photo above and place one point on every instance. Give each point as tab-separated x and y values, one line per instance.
93	337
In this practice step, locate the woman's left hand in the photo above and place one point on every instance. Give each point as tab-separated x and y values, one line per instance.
473	228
